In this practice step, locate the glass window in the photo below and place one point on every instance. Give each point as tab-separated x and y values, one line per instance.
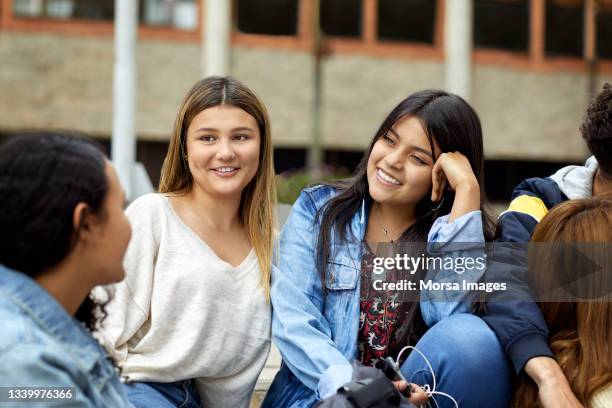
604	30
502	24
271	17
65	9
406	20
181	14
564	27
341	18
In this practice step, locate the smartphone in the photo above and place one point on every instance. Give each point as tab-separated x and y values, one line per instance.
392	371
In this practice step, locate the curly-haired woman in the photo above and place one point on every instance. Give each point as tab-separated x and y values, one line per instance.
62	232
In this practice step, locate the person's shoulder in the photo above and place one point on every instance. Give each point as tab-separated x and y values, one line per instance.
15	325
147	201
531	200
320	189
20	332
536	186
146	206
36	362
541	190
320	193
573	181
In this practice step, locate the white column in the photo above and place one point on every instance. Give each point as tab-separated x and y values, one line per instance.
123	144
216	37
458	47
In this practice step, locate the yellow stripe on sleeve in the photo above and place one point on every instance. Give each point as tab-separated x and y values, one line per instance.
529	205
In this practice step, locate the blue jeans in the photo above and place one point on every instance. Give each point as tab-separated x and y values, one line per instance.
468	361
180	394
464	353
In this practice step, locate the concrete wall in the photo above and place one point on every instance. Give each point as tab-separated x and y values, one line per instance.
55	81
525	115
66	82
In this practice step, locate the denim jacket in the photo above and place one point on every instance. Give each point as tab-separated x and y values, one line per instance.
41	345
317	341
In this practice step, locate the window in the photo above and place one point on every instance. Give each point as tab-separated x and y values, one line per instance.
604	30
181	14
406	20
65	9
502	24
564	27
271	17
341	18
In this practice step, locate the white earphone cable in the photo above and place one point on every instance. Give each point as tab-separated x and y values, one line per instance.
430	391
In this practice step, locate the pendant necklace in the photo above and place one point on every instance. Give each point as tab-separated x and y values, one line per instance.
385	230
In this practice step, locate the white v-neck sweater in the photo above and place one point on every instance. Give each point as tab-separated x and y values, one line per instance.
184	313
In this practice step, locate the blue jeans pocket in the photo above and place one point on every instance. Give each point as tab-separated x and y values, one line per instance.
182	394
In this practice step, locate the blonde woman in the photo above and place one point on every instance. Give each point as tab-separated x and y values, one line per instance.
190	325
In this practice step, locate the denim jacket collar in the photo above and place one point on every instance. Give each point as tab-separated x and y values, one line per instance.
46	311
359	222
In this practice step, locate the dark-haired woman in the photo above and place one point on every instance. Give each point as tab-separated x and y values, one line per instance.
62	232
420	181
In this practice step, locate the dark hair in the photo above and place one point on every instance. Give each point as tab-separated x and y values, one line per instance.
597	129
454	125
42	178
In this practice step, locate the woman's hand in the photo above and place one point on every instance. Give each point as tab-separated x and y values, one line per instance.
417	396
454	170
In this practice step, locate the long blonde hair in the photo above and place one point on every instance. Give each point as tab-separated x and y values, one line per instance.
581	332
258	201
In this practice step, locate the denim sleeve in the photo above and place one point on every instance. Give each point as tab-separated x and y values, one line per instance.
453	241
299	328
34	365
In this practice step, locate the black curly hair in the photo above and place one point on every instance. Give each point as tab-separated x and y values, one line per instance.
597	129
43	176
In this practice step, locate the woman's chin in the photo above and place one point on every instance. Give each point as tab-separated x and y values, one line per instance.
227	191
225	188
384	197
379	193
379	198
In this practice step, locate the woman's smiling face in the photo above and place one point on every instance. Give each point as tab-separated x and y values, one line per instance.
223	150
400	164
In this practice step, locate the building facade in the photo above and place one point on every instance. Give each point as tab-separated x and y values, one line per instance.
535	64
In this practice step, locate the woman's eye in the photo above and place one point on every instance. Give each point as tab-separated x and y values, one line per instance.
418	159
388	140
241	137
206	138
